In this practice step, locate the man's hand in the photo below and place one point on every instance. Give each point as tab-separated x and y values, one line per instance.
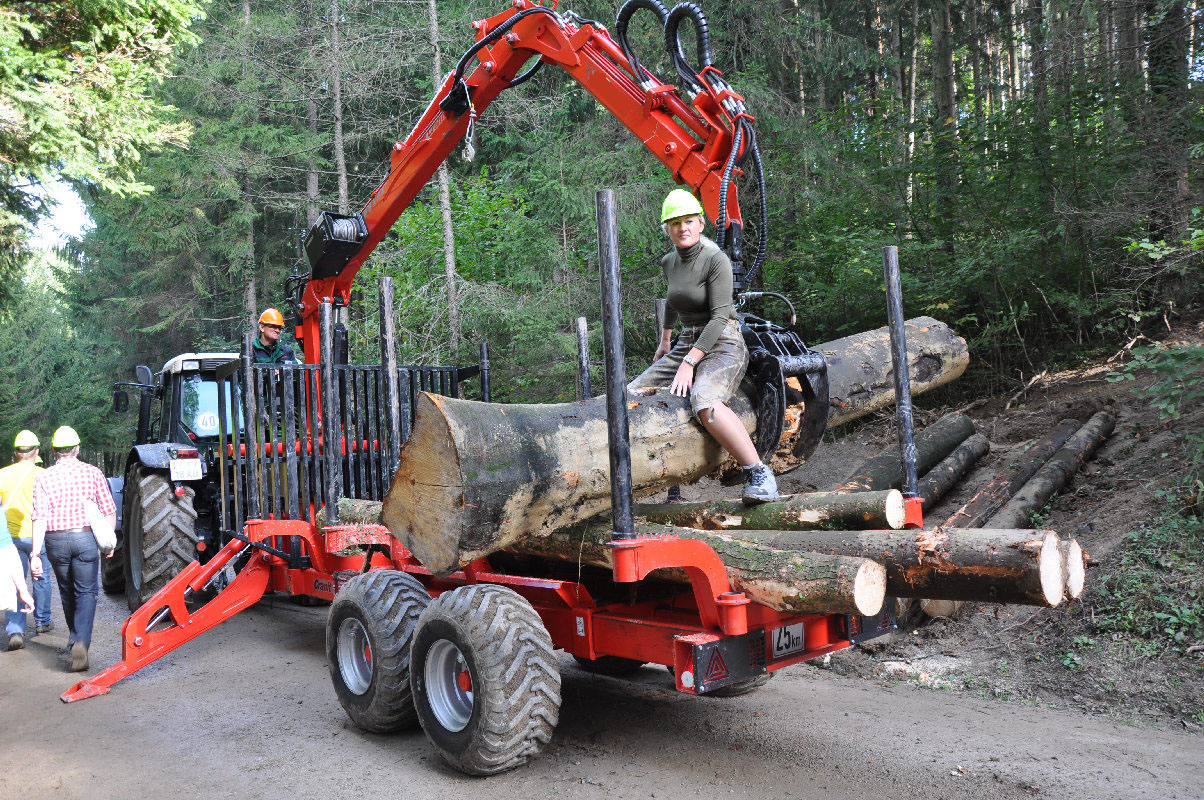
35	565
682	381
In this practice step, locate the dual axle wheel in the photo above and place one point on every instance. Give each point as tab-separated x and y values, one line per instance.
475	667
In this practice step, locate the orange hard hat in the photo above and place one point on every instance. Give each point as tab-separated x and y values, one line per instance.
272	317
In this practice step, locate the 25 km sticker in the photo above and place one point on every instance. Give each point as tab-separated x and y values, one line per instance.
787	640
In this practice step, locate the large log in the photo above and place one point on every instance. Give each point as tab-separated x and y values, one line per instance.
475	477
795	582
885	470
1056	473
799	512
998	566
989	499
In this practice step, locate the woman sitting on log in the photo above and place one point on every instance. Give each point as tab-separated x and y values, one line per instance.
710	357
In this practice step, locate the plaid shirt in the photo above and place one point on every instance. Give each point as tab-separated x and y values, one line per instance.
59	494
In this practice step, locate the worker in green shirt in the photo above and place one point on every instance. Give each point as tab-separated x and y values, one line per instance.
709	358
267	347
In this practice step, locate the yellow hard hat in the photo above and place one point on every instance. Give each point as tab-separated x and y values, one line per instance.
680	203
64	437
26	439
271	316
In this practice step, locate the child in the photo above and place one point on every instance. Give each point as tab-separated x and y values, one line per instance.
14	594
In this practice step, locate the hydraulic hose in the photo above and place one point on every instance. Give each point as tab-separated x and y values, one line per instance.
622	20
496	34
724	183
763	208
673	43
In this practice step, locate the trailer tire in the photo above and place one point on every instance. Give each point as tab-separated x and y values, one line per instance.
368	636
160	535
742	688
612	666
486	679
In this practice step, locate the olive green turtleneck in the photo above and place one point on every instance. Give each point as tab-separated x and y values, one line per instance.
700	289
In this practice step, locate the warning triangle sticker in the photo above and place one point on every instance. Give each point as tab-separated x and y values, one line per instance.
716	668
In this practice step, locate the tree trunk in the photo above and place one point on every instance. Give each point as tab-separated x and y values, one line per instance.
800	512
979	565
336	63
885	470
944	134
1170	114
475	477
1056	473
945	475
995	494
445	211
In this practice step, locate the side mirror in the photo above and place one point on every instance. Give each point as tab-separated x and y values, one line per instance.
142	374
121	401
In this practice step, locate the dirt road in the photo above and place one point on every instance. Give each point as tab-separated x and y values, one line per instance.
248	711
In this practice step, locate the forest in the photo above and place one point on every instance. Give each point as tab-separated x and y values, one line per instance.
1035	161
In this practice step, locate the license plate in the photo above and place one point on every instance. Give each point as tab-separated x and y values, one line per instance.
787	640
185	469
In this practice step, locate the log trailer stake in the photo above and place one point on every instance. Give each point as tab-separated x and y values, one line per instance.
914	505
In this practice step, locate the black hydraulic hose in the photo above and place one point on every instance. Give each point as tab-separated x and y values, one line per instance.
496	34
724	183
526	76
623	18
673	42
763	233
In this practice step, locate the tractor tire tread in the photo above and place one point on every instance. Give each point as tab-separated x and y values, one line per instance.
169	536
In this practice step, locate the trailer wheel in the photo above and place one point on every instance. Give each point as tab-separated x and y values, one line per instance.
368	636
159	535
613	666
742	688
485	677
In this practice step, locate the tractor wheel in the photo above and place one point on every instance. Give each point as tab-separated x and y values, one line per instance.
159	534
613	666
742	688
485	677
368	637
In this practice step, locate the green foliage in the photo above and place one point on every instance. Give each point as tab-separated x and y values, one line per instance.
1155	589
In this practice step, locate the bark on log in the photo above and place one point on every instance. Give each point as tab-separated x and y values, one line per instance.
1056	473
995	494
997	566
800	512
790	581
475	477
945	475
885	470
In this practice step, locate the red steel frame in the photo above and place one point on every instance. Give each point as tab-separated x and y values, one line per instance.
659	631
692	140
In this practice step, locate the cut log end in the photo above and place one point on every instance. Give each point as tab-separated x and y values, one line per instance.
1076	570
895	511
1053	582
869	588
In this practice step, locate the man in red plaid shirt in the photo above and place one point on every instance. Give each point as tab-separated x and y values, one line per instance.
59	517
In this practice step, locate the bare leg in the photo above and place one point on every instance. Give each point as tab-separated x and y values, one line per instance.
722	423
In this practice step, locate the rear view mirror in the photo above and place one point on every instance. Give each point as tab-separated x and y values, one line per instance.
121	401
142	374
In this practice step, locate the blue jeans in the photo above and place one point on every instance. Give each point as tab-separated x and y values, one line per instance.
14	620
76	561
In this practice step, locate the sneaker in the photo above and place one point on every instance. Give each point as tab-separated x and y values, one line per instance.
79	657
760	485
16	641
45	627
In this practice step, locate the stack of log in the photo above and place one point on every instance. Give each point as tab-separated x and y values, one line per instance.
479	478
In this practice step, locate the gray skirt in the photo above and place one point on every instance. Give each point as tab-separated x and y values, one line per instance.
717	374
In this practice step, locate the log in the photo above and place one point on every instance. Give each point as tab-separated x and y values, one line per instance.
986	501
1076	569
997	566
793	582
940	609
945	475
475	477
885	470
1056	473
799	512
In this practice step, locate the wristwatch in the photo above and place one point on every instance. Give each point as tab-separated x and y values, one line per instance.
690	360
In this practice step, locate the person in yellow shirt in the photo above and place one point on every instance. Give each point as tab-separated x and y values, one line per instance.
16	494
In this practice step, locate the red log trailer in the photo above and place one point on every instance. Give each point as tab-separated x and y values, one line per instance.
470	655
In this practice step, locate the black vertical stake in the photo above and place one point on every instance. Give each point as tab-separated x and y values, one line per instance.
388	360
332	438
898	353
486	391
223	435
251	422
616	371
